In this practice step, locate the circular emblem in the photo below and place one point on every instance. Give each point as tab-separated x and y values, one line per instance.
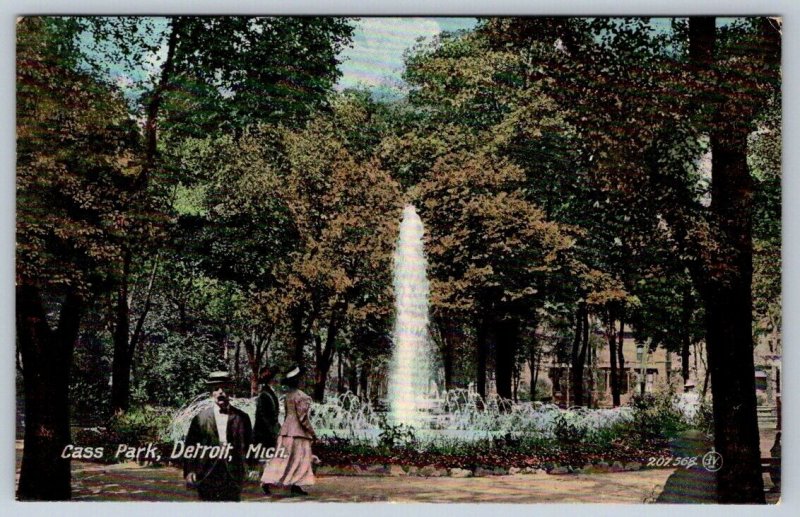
712	461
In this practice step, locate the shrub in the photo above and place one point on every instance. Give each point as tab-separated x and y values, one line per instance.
656	417
138	426
704	418
568	432
392	436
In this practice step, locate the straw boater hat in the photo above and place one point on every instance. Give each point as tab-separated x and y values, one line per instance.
217	378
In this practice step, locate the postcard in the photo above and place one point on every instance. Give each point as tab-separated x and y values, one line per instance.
331	259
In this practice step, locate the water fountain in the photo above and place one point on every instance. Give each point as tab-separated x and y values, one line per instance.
410	369
460	414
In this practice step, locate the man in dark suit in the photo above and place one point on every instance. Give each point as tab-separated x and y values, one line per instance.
221	435
266	427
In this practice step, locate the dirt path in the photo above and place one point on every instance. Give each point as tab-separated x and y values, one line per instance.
130	482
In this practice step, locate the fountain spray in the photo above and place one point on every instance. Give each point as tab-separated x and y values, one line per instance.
411	365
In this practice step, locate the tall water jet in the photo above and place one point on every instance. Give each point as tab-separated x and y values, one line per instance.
410	369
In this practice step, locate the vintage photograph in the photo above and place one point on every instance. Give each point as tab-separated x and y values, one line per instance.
274	259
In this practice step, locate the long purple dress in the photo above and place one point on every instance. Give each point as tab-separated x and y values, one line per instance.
296	435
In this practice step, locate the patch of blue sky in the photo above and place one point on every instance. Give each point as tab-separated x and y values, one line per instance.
132	76
375	61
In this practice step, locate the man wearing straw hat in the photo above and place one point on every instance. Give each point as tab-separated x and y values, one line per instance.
216	444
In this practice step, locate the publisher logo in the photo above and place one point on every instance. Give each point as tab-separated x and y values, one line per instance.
712	461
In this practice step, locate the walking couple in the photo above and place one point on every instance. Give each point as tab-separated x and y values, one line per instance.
222	425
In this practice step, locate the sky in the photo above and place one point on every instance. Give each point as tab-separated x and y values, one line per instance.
375	61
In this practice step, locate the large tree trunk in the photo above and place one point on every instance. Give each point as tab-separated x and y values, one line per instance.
507	336
46	359
729	331
727	292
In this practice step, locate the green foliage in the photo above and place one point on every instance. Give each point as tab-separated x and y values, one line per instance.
655	416
91	368
138	426
76	168
567	432
399	435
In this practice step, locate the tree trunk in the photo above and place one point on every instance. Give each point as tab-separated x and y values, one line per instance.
533	363
621	353
154	105
46	358
299	336
123	355
586	349
729	331
482	342
121	365
324	355
447	339
236	358
507	336
363	380
611	335
686	339
125	342
578	357
352	376
727	293
340	388
320	377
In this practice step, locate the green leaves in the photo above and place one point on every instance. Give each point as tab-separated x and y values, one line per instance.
76	165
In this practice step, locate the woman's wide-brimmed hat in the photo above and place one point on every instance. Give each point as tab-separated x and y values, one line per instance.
295	373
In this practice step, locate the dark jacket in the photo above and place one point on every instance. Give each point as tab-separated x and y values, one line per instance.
266	427
219	474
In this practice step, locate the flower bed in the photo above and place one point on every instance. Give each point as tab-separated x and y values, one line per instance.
499	459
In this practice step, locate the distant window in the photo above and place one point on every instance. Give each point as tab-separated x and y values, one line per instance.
761	380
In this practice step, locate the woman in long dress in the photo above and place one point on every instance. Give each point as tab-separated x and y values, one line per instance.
293	467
